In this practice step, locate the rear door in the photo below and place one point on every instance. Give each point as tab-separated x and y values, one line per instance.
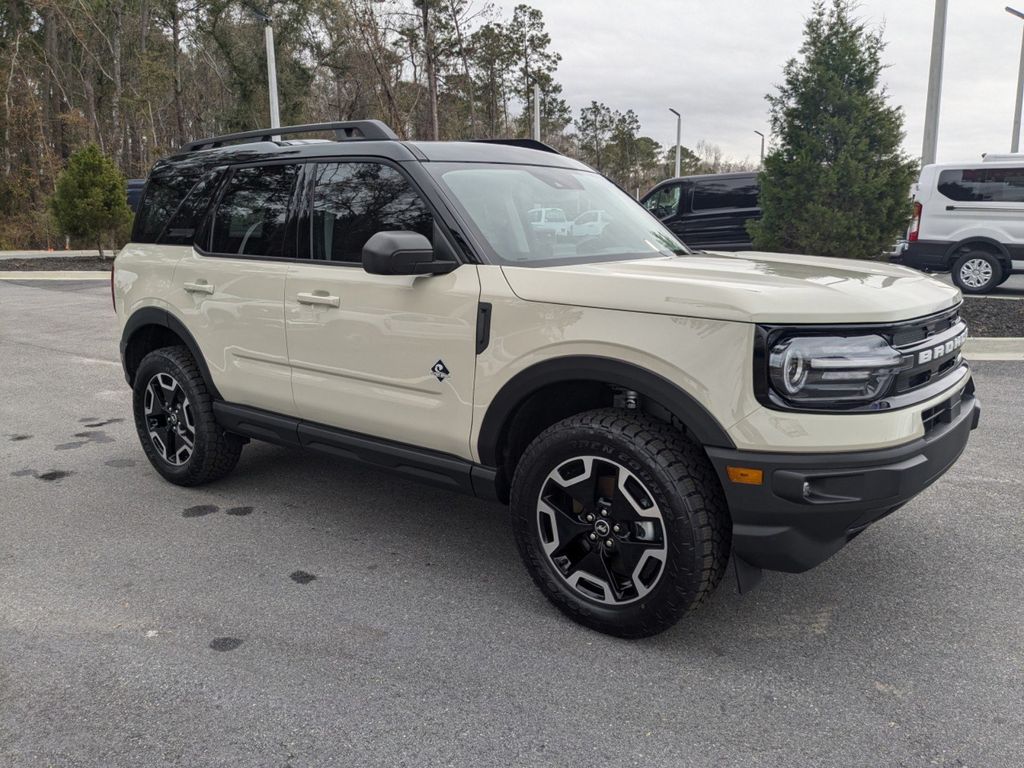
383	355
718	213
230	290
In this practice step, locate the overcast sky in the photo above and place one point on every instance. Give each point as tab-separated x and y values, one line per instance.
714	60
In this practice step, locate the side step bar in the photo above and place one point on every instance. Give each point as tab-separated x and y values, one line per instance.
433	467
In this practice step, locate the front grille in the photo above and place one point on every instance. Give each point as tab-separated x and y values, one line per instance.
931	348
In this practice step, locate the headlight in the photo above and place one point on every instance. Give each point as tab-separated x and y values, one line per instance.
817	370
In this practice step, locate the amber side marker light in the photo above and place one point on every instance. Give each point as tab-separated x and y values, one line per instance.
745	475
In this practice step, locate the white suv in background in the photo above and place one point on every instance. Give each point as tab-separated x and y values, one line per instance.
969	221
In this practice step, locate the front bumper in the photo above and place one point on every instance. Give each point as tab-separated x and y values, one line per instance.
810	505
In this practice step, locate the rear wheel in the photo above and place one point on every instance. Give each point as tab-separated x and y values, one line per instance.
977	272
620	521
174	419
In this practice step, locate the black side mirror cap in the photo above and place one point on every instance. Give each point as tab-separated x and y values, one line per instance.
402	253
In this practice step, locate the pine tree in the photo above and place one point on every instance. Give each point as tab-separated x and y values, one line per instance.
836	182
90	200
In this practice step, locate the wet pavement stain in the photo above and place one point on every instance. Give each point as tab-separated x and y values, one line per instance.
17	438
225	643
302	577
87	437
99	422
120	463
200	510
53	474
238	511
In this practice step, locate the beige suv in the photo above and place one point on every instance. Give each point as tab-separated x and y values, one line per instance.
648	412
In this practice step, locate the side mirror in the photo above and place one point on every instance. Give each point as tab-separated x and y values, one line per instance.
402	253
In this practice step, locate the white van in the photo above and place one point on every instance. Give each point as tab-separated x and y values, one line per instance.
969	221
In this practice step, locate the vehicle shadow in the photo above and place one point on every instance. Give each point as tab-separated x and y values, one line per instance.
468	543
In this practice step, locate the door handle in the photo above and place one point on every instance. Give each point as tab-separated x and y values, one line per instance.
200	287
319	297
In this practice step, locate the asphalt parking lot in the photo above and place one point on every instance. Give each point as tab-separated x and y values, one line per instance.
305	612
1013	288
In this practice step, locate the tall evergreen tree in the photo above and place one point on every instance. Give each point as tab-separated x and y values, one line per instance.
836	182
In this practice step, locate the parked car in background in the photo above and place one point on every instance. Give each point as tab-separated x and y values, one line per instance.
589	223
708	212
134	188
551	220
968	221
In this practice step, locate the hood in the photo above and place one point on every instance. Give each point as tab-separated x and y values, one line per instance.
747	287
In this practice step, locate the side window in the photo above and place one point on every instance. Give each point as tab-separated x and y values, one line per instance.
164	192
181	229
354	201
664	202
725	193
251	215
981	185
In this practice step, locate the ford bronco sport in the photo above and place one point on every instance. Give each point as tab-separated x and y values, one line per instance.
647	412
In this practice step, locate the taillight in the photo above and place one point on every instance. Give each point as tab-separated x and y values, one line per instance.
915	223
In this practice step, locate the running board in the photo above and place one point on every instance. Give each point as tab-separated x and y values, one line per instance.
433	467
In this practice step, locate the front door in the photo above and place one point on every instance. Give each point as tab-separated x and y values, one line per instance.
388	356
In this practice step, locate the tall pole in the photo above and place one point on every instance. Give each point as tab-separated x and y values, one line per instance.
931	114
1015	138
268	33
762	147
536	111
679	139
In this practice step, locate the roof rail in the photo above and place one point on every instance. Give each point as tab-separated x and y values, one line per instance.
524	143
343	131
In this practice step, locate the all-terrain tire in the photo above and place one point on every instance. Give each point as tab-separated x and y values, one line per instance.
680	479
214	452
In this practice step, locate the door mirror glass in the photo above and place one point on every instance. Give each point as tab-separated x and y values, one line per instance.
400	252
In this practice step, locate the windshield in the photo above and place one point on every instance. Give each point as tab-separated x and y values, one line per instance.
533	216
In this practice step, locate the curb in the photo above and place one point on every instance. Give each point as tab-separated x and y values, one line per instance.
45	274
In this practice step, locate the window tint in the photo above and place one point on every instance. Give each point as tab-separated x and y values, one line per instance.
664	202
250	218
725	193
354	201
164	192
181	229
979	185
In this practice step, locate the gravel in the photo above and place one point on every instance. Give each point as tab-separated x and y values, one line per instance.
993	317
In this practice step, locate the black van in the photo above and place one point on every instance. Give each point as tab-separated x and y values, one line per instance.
707	212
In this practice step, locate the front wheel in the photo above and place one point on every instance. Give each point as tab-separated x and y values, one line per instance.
174	418
977	272
620	521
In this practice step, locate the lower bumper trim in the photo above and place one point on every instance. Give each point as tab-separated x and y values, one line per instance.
810	505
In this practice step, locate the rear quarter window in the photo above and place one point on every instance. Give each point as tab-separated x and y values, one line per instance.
164	193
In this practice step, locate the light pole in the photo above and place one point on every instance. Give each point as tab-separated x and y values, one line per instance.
679	138
1015	139
762	147
268	36
931	113
536	112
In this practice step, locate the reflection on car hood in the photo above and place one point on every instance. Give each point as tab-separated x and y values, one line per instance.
747	286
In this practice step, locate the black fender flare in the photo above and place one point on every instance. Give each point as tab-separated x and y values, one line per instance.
1004	254
608	371
147	316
